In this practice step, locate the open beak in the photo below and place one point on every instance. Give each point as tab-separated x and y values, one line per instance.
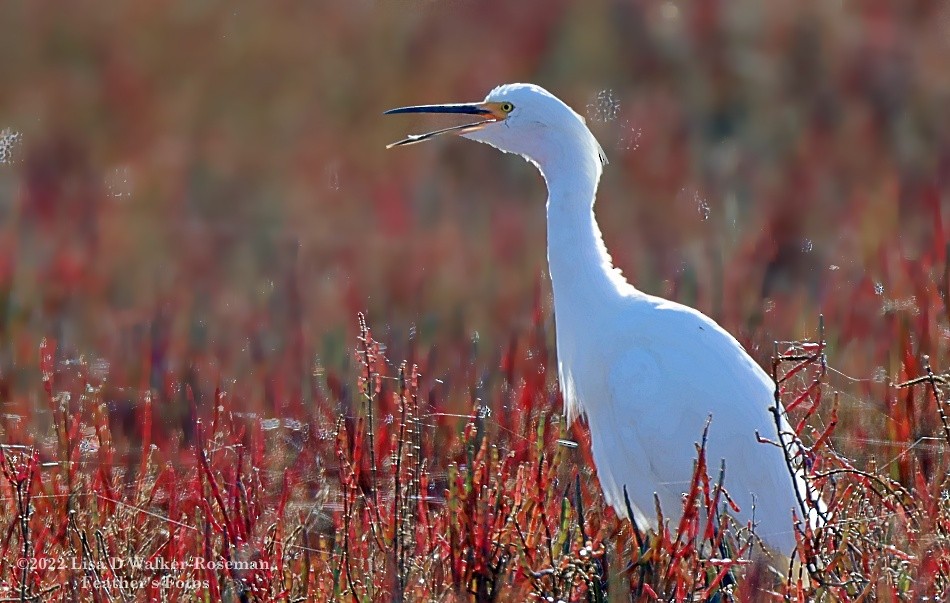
488	112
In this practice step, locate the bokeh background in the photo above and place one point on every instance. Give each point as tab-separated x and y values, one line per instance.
198	192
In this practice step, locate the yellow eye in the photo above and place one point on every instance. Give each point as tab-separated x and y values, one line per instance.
507	107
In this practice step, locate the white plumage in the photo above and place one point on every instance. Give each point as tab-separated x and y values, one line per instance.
645	371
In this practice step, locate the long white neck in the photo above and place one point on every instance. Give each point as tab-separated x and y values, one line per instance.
581	269
585	283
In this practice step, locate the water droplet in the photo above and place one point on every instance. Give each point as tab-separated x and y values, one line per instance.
878	288
879	375
769	305
605	107
99	369
807	246
834	267
483	412
702	206
8	141
270	424
119	182
628	137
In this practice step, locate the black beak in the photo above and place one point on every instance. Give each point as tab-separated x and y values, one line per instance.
481	109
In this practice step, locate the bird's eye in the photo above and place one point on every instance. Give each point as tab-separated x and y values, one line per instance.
507	107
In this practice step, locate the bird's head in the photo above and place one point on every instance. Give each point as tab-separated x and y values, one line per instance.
518	118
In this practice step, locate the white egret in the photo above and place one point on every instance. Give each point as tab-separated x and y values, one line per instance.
645	371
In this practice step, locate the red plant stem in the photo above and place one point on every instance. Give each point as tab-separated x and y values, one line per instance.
216	492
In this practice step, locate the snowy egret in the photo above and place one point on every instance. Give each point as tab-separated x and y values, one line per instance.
645	371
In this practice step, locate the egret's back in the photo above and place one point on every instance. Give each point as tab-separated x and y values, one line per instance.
648	379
